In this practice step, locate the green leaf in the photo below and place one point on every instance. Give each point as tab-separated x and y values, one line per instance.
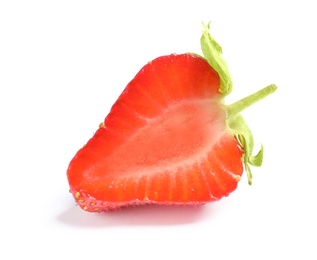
244	135
212	52
257	159
240	128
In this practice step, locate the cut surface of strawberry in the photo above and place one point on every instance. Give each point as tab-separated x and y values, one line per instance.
168	139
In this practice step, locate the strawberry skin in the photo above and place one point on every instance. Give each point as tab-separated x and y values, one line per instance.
165	141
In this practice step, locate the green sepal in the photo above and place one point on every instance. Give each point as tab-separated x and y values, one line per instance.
258	158
244	135
212	52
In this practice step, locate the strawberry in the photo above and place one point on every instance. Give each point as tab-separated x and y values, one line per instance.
168	139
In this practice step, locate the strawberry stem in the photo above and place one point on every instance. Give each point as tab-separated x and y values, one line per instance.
237	107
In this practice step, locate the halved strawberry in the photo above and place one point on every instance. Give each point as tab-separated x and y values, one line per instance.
168	139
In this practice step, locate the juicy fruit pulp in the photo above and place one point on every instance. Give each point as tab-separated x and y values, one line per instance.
164	141
168	139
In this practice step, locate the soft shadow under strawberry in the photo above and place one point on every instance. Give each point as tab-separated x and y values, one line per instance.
149	215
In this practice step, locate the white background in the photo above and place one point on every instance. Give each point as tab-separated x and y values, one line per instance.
64	63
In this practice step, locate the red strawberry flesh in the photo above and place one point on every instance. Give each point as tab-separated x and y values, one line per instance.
165	141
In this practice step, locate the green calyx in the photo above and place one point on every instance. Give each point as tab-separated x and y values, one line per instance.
212	53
